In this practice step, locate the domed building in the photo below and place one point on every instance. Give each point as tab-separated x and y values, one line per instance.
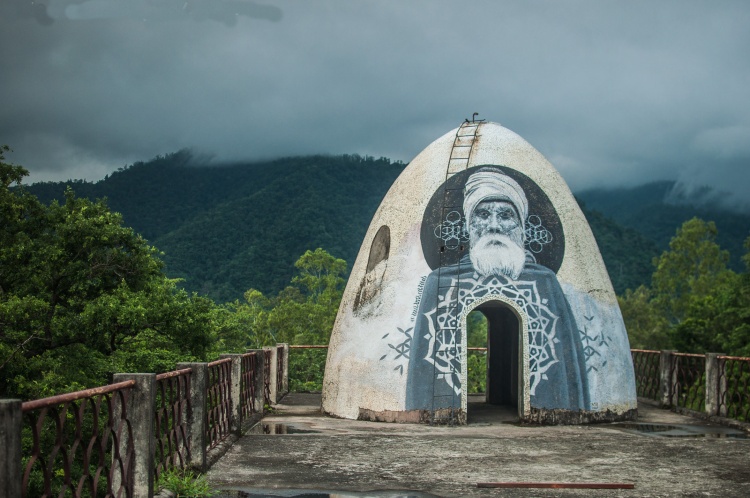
479	221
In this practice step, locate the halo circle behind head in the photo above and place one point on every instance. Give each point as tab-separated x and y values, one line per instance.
444	233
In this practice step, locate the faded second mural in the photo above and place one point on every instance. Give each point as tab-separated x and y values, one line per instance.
479	221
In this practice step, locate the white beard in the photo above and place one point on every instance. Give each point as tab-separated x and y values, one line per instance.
490	258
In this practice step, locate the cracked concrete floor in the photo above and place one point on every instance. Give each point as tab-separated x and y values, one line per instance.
347	455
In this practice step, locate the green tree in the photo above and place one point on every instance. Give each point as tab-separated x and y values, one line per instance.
243	324
692	269
695	304
719	321
476	336
320	277
81	296
736	313
646	326
302	313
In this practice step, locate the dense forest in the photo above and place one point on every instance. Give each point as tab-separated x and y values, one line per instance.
226	229
84	295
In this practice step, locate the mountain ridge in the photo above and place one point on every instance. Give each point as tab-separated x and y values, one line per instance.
650	210
226	228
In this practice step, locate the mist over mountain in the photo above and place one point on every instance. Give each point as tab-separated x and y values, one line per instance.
226	229
656	210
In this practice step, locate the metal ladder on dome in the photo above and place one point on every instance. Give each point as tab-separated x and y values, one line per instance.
449	331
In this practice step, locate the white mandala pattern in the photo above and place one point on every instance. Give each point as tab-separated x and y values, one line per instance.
444	337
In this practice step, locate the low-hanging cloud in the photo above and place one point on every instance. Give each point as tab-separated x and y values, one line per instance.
612	93
225	11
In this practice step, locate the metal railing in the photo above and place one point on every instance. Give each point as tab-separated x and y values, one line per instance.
713	384
734	382
116	440
688	374
267	376
81	443
172	445
646	366
218	405
88	443
247	384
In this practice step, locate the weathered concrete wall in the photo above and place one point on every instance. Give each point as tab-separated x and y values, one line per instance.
398	347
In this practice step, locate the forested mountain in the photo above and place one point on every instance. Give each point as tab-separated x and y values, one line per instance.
627	253
649	210
226	229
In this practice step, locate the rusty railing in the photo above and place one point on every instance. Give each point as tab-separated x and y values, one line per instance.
267	376
688	374
647	373
172	444
734	394
247	385
88	443
81	443
218	403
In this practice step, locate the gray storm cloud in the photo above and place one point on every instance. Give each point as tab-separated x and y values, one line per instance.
613	93
224	11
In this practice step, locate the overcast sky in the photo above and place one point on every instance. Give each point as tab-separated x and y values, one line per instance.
614	93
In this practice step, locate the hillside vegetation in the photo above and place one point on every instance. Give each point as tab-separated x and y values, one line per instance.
82	295
226	229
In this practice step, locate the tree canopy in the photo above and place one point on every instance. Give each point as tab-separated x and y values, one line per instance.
695	303
82	296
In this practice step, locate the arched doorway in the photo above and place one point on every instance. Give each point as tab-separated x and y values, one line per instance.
506	359
502	354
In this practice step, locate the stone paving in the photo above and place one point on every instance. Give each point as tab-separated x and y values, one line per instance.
323	453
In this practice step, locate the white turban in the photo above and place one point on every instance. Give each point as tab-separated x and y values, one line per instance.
492	184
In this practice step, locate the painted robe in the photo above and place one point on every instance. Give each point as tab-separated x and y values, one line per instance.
557	369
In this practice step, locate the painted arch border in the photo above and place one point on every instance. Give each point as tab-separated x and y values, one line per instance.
525	404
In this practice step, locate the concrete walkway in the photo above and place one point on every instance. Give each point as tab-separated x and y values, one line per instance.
322	453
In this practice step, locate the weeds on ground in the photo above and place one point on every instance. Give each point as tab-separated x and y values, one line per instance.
185	483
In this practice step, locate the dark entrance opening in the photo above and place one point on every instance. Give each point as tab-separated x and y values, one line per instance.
503	332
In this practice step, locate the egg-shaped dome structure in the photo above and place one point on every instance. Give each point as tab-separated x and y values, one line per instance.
479	220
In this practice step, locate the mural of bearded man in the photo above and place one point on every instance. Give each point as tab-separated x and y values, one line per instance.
496	268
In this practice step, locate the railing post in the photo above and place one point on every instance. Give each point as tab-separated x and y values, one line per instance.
274	368
141	415
196	418
285	373
666	380
235	393
723	390
259	380
10	447
713	381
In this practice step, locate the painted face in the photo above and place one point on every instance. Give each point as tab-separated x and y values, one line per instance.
493	217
